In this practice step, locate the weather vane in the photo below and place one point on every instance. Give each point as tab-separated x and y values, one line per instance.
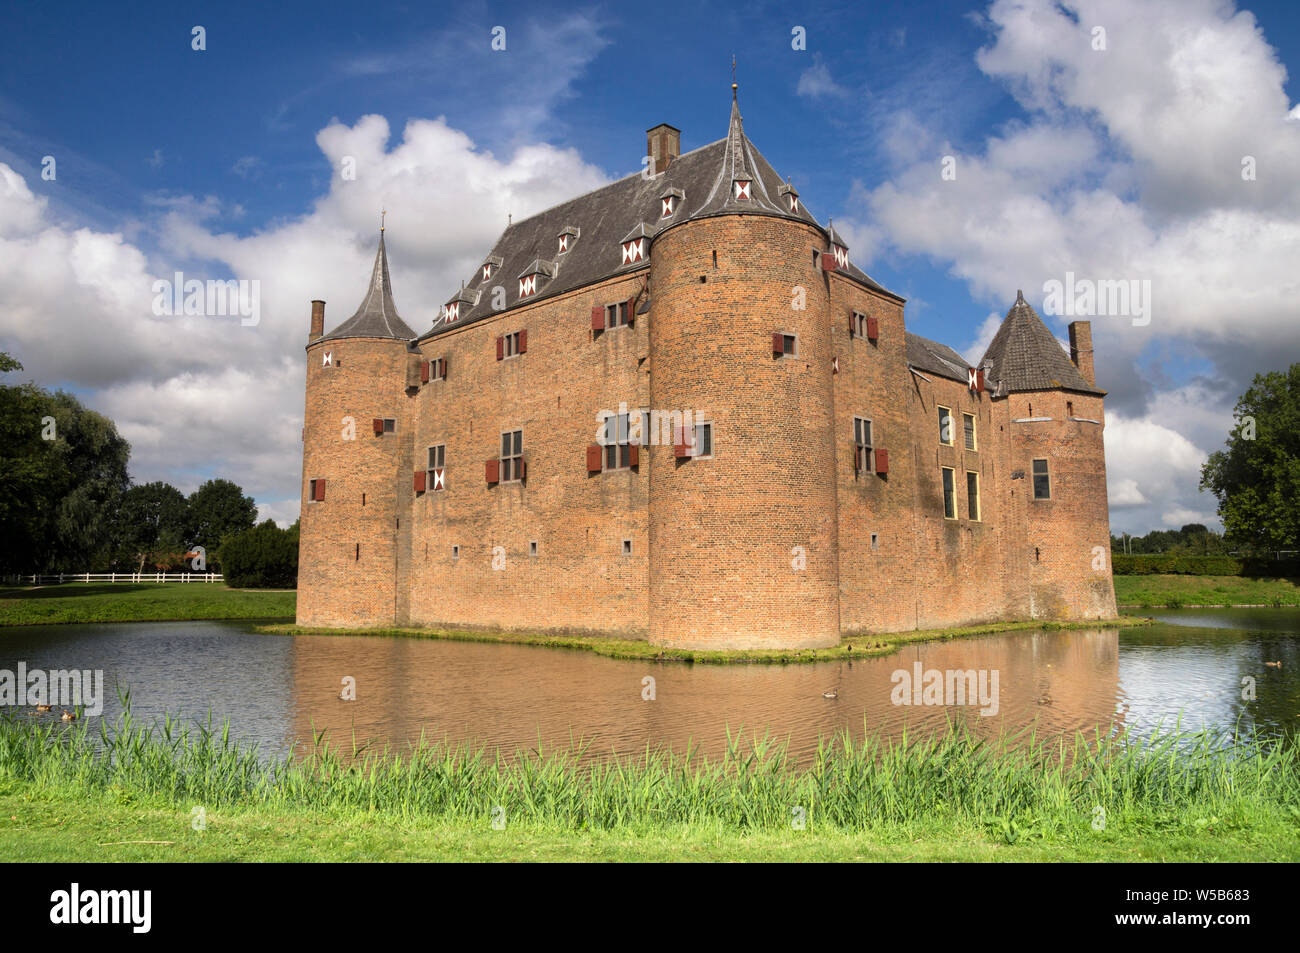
382	213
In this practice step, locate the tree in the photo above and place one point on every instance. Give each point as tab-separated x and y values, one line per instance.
150	527
63	470
217	509
262	557
1257	477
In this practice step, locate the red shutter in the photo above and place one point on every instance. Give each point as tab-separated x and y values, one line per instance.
873	329
501	348
522	472
378	424
424	372
594	453
597	318
681	450
442	368
882	461
419	481
778	343
979	380
853	324
631	311
634	455
857	459
320	491
828	261
523	341
491	470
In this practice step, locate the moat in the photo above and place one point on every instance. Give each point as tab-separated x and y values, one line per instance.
277	689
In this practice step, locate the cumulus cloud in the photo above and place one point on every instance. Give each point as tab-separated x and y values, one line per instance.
1131	162
816	82
200	396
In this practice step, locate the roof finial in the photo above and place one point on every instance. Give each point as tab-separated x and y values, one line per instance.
510	219
734	86
382	213
1020	296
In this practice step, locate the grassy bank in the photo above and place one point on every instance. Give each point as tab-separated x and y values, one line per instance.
138	602
850	646
951	798
1176	591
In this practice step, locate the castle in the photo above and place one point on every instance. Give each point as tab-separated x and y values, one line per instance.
674	409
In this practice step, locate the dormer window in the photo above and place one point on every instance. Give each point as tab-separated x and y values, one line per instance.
451	311
327	359
791	198
742	189
841	256
487	270
634	251
669	202
567	239
491	265
564	244
531	278
527	286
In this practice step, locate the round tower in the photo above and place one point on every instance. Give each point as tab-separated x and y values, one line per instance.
356	451
743	535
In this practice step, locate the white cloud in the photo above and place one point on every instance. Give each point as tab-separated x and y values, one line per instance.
816	81
205	396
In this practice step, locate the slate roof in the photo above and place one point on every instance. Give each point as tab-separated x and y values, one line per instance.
935	358
630	207
377	317
1024	355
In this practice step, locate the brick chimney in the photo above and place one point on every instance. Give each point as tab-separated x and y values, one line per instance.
663	144
1081	349
318	321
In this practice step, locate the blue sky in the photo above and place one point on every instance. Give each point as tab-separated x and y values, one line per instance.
223	162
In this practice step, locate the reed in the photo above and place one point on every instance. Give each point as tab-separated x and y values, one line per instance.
1016	787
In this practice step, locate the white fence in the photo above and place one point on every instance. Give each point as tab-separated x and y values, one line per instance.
50	579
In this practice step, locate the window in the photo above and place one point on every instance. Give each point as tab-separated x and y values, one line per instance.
669	205
861	445
1069	408
618	315
627	547
704	439
438	369
455	552
512	455
875	542
618	445
858	325
786	345
949	494
972	496
512	343
945	426
437	467
532	548
316	491
1042	482
968	428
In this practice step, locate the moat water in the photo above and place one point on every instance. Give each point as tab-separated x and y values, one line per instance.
276	690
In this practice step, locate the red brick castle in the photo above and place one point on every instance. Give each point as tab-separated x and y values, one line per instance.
674	409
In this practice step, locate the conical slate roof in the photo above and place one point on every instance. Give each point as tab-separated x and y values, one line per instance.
702	180
1024	355
377	317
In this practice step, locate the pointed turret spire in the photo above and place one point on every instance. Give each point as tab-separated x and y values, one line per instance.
1024	355
377	317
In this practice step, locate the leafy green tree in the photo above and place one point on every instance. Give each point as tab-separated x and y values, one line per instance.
264	557
1257	477
150	527
218	509
63	471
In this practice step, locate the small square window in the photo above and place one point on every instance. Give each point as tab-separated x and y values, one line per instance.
455	552
704	439
875	542
627	547
790	345
532	547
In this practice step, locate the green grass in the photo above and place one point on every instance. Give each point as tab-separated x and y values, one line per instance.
139	602
952	797
850	647
1175	591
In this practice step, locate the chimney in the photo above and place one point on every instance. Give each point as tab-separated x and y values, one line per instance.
663	144
1081	349
318	321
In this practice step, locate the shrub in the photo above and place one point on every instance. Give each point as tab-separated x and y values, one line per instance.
1169	563
264	557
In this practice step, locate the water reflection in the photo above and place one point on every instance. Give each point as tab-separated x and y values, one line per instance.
279	689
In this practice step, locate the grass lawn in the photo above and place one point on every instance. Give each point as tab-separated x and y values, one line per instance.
45	826
139	602
1175	591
